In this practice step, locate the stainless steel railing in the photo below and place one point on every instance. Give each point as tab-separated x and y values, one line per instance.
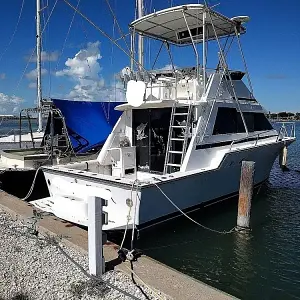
287	130
250	137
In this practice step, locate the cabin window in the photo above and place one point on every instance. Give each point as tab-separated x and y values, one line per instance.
257	122
228	120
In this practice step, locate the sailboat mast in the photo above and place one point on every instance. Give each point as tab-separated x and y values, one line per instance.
140	10
38	62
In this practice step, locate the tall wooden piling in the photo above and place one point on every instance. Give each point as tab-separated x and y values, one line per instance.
245	194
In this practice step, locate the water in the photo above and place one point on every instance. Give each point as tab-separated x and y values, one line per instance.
264	264
8	127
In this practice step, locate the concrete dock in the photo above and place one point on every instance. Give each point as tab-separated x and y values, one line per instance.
156	275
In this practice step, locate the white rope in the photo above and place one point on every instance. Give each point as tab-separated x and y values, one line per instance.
126	227
129	216
34	180
188	217
32	186
134	216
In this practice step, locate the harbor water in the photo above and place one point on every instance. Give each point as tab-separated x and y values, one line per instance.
12	126
262	264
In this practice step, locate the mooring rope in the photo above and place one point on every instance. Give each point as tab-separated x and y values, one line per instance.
191	219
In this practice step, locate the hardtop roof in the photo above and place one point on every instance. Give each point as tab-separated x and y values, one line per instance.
169	24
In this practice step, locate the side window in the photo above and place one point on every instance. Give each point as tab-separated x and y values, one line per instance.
261	122
249	119
257	122
228	120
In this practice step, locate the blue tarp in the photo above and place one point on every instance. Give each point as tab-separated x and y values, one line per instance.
88	122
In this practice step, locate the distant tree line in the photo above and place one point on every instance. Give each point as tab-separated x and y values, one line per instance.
284	116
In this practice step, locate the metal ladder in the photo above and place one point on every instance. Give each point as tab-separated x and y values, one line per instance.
171	153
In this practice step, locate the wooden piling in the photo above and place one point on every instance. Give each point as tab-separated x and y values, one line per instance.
283	158
245	194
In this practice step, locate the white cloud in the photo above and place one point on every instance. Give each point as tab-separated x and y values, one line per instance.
2	76
32	85
10	104
84	69
45	56
32	75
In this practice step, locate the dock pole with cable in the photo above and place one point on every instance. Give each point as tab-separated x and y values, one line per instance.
96	239
245	195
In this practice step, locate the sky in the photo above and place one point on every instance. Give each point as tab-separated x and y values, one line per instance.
78	62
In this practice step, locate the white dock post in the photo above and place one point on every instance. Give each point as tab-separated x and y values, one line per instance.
95	241
245	194
283	158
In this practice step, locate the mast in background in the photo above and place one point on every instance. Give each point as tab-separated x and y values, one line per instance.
140	10
38	62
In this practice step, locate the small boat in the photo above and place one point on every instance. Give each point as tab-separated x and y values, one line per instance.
182	134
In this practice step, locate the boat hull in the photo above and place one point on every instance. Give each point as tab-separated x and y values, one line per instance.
188	192
207	187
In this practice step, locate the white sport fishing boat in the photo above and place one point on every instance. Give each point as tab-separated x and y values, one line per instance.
182	136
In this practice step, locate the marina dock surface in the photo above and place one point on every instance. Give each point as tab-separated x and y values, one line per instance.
154	274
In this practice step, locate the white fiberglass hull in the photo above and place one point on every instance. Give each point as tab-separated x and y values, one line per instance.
149	204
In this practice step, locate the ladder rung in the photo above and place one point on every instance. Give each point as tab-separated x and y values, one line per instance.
177	139
178	126
174	165
180	114
175	152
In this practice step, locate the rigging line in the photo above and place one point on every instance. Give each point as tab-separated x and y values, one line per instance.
30	58
194	221
244	60
67	36
45	43
49	16
15	31
118	25
226	51
87	41
157	55
105	35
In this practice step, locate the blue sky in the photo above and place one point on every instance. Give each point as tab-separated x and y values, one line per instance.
271	47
